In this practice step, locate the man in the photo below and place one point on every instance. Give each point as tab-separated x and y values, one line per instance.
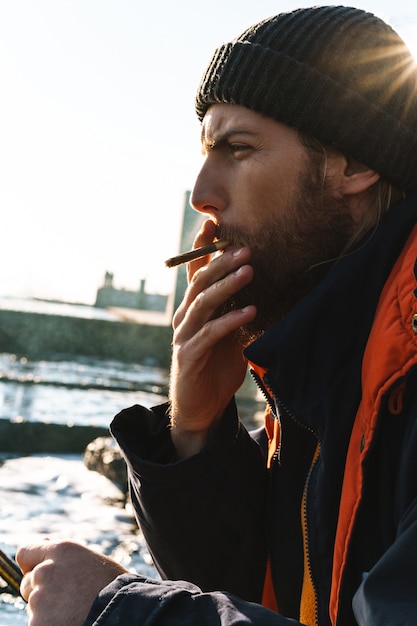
309	131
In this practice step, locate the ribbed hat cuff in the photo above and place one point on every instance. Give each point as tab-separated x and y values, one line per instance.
277	85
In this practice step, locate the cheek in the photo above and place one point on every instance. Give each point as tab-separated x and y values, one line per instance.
267	189
271	194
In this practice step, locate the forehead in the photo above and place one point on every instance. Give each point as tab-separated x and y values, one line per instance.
224	117
224	120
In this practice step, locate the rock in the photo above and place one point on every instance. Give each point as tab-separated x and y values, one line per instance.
103	455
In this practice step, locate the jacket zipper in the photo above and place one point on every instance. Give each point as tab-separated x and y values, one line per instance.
267	393
309	577
268	396
304	512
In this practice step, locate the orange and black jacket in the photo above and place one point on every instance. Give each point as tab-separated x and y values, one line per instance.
315	515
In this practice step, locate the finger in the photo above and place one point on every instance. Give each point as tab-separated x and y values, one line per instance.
206	304
229	261
226	264
26	586
203	300
27	557
217	329
205	236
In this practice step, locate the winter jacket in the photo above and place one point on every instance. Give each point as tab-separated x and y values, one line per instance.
316	514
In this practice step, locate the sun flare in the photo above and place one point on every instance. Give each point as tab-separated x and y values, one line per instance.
410	38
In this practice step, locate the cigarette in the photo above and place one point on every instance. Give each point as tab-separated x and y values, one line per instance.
186	257
10	573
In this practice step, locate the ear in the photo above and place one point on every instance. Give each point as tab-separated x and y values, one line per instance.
357	177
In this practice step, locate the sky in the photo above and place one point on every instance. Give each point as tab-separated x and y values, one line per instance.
98	136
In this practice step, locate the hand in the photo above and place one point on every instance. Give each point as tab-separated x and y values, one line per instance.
208	366
61	581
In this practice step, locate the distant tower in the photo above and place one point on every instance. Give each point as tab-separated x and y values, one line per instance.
191	223
108	280
141	300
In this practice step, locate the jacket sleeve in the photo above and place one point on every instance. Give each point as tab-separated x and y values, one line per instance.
203	518
140	601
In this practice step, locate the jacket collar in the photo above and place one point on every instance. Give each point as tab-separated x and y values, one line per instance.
318	347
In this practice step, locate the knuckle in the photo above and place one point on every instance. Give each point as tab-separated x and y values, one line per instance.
206	332
20	555
176	319
43	572
199	300
199	279
35	599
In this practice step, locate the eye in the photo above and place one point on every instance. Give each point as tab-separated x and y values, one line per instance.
239	148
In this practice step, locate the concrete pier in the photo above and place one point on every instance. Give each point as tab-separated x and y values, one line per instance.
36	335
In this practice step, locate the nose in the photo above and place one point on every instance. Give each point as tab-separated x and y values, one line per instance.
209	193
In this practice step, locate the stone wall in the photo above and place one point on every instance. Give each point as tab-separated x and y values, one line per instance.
38	437
37	335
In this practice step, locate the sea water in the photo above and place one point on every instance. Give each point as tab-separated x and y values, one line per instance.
75	390
57	496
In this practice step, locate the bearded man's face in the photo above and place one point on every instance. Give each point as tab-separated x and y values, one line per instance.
264	188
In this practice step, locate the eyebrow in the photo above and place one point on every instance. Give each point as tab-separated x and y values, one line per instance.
224	137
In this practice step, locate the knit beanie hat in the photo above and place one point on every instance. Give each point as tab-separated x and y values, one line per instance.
339	74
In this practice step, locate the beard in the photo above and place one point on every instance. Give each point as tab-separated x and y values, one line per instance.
290	254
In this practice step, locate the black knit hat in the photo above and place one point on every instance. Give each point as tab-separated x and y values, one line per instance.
340	74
